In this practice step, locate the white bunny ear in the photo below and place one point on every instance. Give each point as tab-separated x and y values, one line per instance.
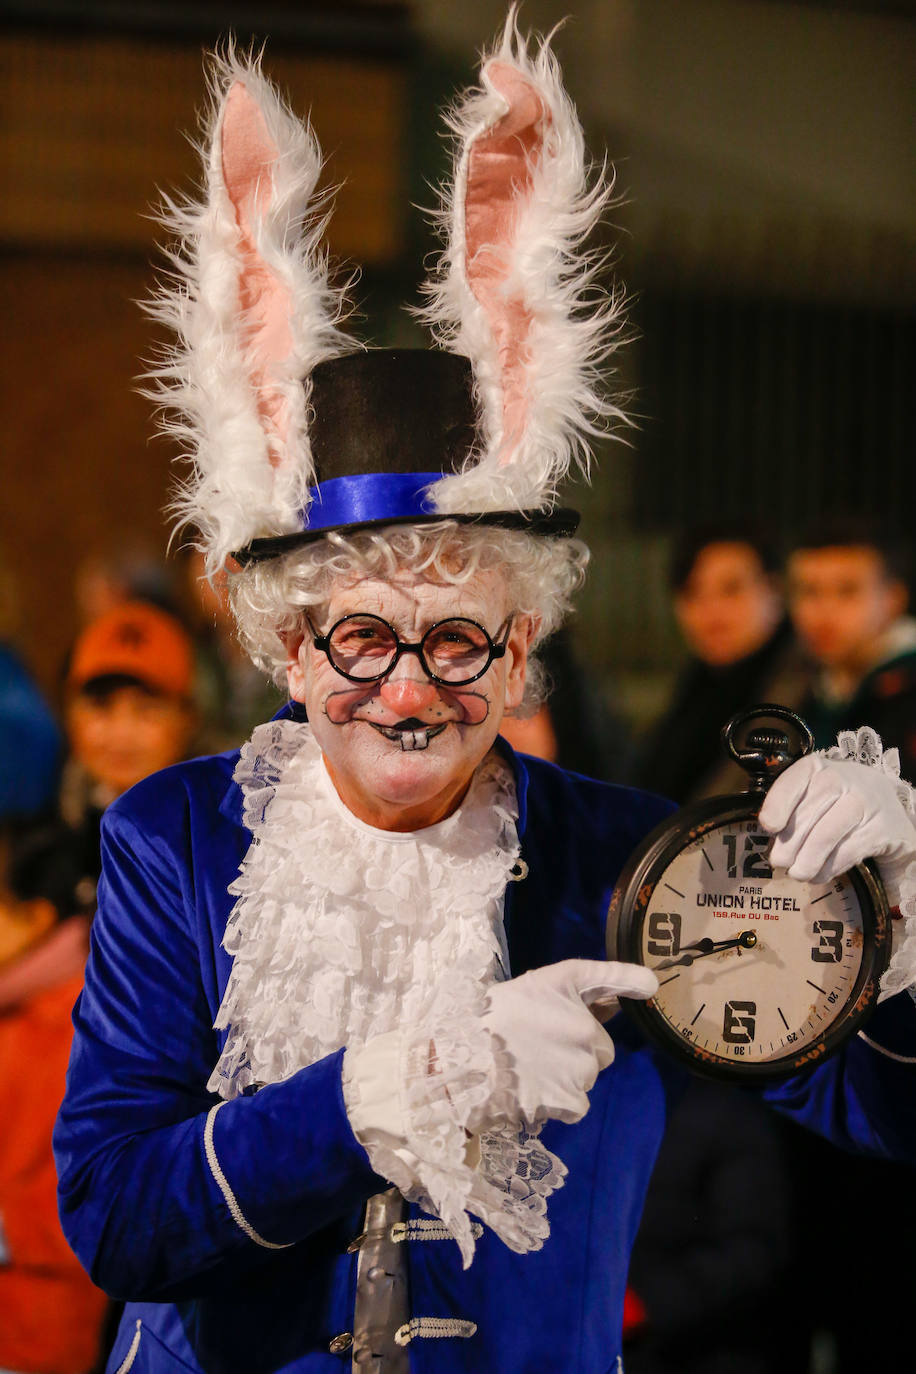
253	311
515	290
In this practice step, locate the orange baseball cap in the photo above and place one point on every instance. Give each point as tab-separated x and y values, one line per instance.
135	640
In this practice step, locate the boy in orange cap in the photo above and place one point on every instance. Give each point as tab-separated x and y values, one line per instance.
128	701
128	713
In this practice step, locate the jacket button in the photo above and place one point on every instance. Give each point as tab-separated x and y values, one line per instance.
341	1343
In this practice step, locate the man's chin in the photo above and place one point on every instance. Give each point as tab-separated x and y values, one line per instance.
394	788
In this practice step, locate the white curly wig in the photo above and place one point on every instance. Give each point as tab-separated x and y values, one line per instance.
541	574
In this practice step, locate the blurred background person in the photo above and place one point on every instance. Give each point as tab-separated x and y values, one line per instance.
128	567
717	1238
848	595
128	713
51	1314
848	598
30	741
575	727
717	1246
728	604
232	696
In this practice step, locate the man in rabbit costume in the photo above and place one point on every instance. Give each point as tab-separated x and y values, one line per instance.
341	1037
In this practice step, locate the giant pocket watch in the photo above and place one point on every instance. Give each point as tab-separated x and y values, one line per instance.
760	975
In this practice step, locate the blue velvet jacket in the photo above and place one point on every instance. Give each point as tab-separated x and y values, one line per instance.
139	1200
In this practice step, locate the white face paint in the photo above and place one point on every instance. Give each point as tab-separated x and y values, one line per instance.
401	752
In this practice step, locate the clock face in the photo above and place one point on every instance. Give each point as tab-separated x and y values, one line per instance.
758	973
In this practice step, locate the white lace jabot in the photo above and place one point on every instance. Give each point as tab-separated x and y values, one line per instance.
341	933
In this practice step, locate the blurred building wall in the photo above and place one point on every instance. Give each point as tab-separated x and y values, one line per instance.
757	142
767	237
765	233
95	126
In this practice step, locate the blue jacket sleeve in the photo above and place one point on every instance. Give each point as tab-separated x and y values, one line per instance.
157	1196
864	1097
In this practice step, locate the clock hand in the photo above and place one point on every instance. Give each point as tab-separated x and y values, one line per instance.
746	940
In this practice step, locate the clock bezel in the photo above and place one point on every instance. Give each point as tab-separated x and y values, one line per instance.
629	906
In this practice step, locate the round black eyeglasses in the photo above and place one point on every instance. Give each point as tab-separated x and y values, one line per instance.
365	648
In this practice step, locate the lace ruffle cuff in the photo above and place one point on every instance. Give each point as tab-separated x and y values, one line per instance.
414	1099
899	877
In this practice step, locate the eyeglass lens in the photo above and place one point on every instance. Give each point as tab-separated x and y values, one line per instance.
364	647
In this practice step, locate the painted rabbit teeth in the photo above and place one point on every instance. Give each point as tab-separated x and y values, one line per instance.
410	739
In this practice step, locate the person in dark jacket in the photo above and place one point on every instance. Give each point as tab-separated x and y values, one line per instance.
716	1245
848	598
847	586
728	602
30	743
575	727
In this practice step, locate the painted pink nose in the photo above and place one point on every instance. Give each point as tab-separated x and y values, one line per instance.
408	696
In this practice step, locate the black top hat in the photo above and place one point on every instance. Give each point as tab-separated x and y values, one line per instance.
385	425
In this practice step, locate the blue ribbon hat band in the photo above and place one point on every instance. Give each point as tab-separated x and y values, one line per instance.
379	498
369	496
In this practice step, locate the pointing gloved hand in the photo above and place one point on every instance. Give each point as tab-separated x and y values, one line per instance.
829	814
548	1047
449	1112
548	1022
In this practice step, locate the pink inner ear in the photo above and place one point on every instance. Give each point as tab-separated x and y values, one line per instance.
248	158
498	182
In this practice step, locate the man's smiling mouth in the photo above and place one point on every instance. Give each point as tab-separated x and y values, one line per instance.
410	734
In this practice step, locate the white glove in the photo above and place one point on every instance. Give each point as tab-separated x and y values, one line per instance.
548	1021
829	814
438	1108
